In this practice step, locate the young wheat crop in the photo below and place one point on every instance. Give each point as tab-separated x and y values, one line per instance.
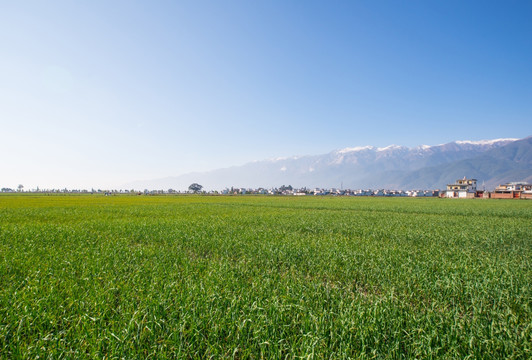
264	277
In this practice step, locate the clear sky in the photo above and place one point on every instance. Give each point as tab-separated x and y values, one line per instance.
100	93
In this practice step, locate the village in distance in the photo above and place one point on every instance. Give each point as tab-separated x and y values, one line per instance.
463	189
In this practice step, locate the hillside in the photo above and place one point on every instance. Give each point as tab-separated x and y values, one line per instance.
392	167
512	162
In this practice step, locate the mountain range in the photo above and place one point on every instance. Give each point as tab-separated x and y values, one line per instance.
491	162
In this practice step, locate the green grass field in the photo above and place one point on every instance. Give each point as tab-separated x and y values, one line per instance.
264	277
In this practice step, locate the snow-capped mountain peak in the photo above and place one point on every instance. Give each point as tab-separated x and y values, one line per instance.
391	147
357	167
355	149
484	142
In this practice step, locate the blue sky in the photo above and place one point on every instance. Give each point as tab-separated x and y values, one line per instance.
100	93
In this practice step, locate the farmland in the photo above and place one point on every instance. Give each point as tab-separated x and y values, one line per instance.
264	277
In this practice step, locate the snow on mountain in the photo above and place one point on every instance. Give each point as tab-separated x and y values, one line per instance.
354	167
485	142
391	148
355	149
369	148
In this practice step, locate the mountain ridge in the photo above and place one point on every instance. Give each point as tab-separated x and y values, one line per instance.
363	167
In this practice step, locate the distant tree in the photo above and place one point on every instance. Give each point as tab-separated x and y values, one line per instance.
20	187
195	188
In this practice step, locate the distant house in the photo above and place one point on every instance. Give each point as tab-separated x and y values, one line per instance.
462	189
513	190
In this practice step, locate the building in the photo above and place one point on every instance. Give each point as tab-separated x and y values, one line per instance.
513	190
462	188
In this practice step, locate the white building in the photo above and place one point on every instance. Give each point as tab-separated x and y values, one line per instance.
463	188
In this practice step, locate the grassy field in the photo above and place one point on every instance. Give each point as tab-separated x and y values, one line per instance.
264	277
